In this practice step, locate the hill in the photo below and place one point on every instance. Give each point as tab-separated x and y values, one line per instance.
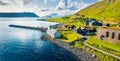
103	10
18	14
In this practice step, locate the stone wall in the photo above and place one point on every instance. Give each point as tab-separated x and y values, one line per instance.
109	34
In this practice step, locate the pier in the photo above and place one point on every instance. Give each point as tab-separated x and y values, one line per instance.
29	27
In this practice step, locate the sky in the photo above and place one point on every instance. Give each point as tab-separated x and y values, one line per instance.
37	5
53	3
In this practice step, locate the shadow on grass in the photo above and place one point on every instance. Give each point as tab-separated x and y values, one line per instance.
64	30
63	37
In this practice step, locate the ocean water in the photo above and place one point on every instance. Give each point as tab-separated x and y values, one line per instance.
18	44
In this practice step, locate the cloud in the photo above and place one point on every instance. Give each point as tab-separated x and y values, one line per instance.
4	3
78	5
35	6
71	5
69	1
15	2
52	0
21	2
16	5
26	2
45	2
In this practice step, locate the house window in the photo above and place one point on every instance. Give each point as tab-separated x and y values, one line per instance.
113	35
118	36
107	34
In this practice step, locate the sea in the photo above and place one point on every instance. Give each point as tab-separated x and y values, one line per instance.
18	44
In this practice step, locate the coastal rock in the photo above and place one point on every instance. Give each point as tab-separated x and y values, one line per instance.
80	55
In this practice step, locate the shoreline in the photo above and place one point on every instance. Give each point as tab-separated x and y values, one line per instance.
79	55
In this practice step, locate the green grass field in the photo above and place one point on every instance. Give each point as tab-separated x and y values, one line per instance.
67	21
102	57
68	35
104	45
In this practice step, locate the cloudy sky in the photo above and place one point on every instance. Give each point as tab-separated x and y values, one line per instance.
38	5
27	5
53	3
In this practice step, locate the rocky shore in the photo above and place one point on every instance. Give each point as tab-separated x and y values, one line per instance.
80	55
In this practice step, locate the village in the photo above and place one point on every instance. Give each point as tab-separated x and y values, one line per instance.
92	27
86	42
98	35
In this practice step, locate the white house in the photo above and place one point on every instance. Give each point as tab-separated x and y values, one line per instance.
53	33
57	26
60	25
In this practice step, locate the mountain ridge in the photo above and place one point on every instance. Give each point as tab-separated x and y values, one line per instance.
17	14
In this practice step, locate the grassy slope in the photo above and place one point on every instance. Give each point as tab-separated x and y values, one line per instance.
102	57
101	44
68	35
103	10
68	21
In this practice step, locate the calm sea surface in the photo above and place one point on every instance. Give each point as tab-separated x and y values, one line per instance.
25	45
